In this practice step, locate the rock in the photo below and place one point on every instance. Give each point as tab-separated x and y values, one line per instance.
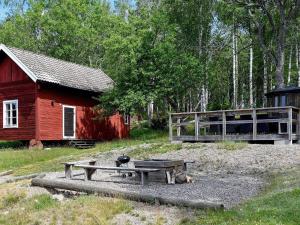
58	197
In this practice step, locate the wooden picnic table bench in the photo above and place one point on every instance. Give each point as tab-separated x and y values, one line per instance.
89	170
69	166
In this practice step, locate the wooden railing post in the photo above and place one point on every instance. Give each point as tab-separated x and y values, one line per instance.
196	127
178	127
223	125
170	128
254	124
290	125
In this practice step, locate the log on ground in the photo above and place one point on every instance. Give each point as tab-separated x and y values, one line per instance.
149	198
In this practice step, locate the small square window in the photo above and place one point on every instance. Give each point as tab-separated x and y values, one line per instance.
10	114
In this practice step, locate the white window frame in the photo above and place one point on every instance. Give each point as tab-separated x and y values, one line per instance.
63	122
17	113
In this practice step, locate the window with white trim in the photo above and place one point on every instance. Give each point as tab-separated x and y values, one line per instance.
10	114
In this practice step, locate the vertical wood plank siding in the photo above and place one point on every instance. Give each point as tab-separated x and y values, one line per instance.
15	84
40	109
50	105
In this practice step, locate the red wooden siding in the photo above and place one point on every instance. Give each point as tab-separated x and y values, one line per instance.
50	106
15	84
40	109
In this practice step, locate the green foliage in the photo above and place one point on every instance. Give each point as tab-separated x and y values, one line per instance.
11	144
173	53
146	133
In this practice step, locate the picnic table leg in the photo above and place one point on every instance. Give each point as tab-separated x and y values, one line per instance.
88	172
144	178
185	166
170	177
68	171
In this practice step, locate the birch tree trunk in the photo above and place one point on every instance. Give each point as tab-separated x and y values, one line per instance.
298	63
290	67
265	84
234	69
150	112
251	77
236	73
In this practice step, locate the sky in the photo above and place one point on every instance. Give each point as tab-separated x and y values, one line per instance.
4	10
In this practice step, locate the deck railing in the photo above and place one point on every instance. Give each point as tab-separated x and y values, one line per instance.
274	123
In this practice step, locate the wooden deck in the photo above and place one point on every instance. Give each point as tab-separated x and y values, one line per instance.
260	124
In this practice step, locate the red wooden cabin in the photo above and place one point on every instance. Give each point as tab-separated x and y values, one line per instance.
46	99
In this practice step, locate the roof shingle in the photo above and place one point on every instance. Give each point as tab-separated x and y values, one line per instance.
63	73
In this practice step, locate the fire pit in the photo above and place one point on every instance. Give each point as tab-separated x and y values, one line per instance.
167	168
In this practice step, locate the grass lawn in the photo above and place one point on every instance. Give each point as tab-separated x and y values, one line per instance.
24	161
279	204
18	209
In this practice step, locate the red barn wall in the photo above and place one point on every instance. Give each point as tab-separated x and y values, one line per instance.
50	103
15	84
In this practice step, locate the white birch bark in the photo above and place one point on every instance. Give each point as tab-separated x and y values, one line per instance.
290	67
236	72
298	63
234	69
265	81
251	77
150	111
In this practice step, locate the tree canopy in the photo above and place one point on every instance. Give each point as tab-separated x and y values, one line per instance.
174	54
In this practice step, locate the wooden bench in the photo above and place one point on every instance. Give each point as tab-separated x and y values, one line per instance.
89	170
69	166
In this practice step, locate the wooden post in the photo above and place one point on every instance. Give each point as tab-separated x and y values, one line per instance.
170	128
196	127
254	125
290	125
223	125
178	127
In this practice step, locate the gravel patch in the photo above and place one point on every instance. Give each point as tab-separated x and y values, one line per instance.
229	190
222	176
253	160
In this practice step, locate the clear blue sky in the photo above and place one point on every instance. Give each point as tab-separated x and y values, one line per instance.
3	12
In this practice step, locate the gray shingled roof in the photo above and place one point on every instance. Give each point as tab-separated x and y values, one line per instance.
63	73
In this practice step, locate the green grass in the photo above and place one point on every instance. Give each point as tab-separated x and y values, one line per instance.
279	204
11	145
85	210
41	202
26	161
231	145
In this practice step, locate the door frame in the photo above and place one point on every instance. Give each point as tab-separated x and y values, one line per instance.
63	122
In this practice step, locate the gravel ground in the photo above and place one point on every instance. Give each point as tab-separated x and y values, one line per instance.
224	176
228	190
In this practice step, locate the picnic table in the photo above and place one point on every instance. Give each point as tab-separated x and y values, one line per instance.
69	166
89	170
